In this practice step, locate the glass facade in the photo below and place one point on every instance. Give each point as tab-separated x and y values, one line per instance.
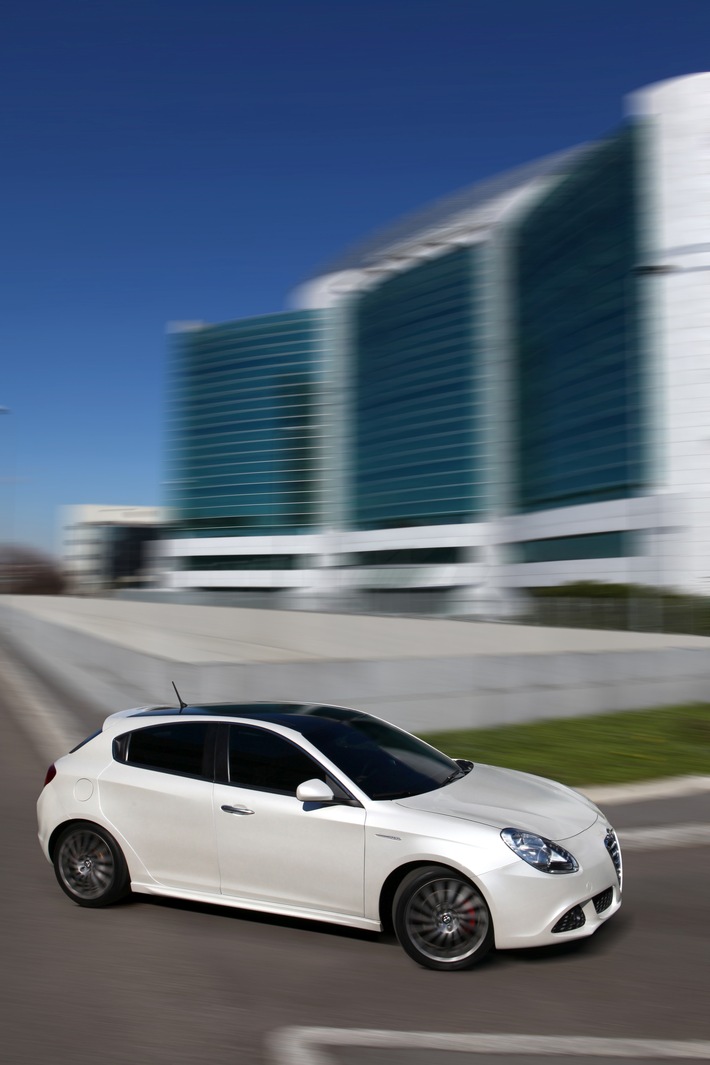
245	426
620	544
249	562
416	415
409	556
579	424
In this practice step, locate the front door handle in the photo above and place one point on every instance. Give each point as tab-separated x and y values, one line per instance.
237	810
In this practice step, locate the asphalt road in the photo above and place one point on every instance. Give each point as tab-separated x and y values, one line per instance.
154	982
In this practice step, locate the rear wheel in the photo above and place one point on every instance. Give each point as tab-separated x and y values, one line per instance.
441	919
90	866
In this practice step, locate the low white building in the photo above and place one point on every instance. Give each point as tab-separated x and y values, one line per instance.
106	546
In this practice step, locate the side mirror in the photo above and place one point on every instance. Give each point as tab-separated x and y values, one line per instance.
314	791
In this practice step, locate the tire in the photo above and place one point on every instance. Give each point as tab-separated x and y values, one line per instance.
89	865
441	920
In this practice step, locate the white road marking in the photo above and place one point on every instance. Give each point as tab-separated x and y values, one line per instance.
692	834
308	1046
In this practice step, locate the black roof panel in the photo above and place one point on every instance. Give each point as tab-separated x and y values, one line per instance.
305	718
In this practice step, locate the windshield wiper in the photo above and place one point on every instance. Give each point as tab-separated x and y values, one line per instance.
464	767
456	775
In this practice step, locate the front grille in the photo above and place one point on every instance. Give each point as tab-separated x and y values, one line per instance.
574	918
612	845
602	901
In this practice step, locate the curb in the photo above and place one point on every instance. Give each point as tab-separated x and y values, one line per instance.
646	790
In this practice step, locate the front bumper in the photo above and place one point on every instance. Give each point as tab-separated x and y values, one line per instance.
532	909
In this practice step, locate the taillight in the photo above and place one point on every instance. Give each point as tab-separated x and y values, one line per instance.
51	774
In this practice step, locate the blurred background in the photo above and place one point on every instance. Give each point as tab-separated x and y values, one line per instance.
242	363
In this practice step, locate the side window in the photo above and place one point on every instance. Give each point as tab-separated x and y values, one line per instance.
178	747
262	759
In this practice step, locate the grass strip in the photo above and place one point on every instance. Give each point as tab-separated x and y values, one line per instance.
604	749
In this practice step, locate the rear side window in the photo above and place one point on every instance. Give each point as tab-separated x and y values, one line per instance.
177	747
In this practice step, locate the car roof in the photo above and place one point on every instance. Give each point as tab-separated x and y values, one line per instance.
306	718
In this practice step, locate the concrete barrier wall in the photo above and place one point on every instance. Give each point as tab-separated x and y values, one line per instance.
419	693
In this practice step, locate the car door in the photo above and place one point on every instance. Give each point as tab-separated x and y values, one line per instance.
158	793
274	848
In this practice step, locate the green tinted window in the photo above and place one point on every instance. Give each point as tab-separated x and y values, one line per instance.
576	337
564	548
418	445
245	442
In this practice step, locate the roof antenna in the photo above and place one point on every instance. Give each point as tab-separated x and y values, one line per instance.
182	704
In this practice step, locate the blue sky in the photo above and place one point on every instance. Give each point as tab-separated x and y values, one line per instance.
166	160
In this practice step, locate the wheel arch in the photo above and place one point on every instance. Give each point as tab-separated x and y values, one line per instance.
395	878
56	833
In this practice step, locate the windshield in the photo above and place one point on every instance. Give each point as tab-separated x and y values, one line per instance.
384	762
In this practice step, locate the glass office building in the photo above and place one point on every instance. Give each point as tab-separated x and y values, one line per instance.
508	389
245	438
418	446
576	344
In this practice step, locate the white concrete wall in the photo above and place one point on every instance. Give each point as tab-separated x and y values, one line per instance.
422	675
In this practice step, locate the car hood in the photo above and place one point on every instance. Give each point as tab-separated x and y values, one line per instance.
505	798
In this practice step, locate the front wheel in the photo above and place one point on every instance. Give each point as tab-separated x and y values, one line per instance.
90	866
441	919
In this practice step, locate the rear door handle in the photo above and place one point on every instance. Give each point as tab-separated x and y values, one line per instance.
243	810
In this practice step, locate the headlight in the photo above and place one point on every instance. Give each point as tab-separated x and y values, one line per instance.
539	852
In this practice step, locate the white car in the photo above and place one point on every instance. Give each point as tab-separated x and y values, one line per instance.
327	813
